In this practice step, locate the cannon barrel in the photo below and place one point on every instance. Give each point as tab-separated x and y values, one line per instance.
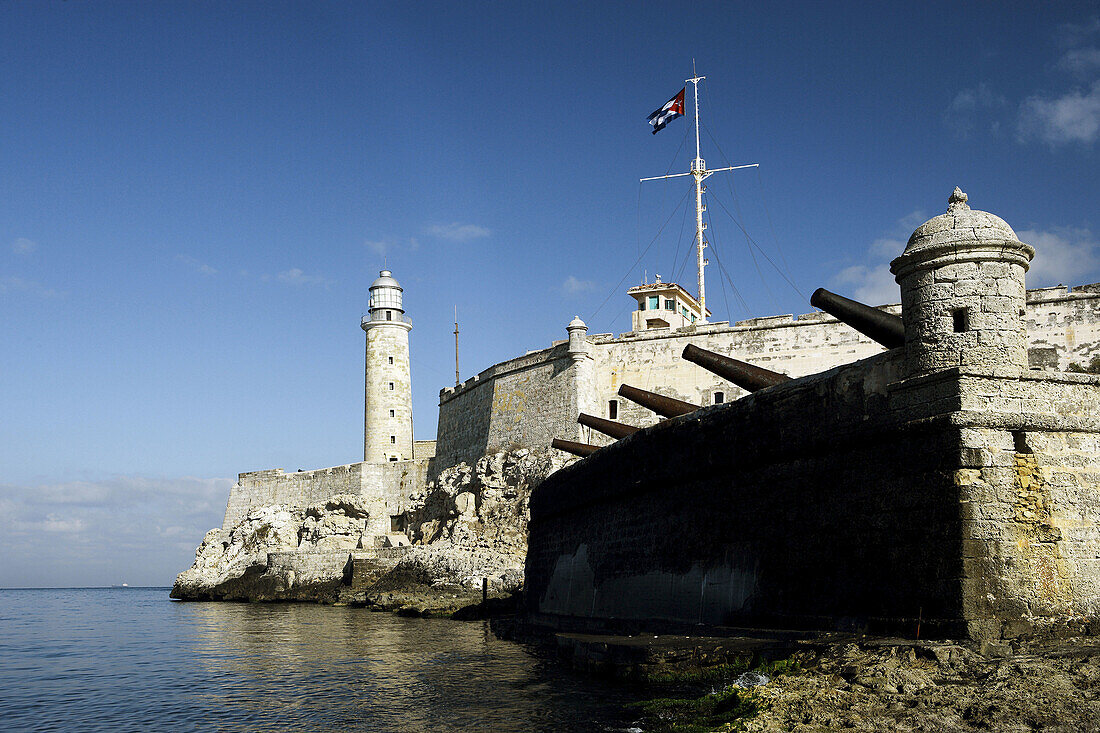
880	326
577	449
743	374
607	427
666	406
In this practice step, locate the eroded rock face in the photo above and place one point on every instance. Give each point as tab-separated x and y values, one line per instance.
233	564
468	525
489	501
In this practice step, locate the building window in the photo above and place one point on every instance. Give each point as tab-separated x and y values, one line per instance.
612	409
396	522
670	305
391	386
391	413
693	319
684	312
393	459
960	321
393	440
389	315
654	302
641	304
391	360
719	397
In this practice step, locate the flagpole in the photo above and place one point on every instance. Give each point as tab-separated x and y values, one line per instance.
699	172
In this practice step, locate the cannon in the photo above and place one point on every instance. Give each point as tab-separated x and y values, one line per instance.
885	328
666	406
577	449
607	427
741	373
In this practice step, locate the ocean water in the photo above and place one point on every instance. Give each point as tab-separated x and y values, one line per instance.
122	659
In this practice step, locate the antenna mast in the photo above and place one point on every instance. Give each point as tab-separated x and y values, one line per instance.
458	381
700	173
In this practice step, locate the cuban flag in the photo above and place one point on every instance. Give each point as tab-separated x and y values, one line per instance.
668	111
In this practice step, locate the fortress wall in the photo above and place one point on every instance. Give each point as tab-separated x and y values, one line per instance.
1063	326
394	480
522	402
857	497
1028	481
652	360
778	508
301	488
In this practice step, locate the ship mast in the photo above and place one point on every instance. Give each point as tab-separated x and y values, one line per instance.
700	173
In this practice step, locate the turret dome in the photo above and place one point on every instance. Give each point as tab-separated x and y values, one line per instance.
960	224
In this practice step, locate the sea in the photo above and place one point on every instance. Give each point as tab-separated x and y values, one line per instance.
130	659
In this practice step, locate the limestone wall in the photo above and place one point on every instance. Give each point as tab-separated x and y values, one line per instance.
395	480
969	499
1063	326
526	401
786	508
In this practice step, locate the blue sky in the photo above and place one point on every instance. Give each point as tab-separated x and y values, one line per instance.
196	197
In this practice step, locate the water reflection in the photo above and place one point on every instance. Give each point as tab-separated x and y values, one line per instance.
130	660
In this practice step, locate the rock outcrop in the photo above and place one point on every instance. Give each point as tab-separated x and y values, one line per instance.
466	527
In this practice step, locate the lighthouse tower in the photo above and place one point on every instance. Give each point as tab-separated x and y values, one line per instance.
387	422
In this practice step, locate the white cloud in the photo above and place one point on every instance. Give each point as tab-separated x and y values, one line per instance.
295	276
870	284
1071	118
19	285
1074	34
199	267
1062	256
23	246
971	106
573	286
106	531
458	232
1082	62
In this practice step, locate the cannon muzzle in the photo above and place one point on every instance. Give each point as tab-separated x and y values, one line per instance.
885	328
607	427
577	449
741	373
666	406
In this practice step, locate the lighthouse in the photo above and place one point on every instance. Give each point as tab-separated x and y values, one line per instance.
387	414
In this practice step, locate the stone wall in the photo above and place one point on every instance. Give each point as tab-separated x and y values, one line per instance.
523	402
1063	326
853	498
394	480
494	409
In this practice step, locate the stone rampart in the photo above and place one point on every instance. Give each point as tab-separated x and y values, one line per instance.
853	498
394	480
526	401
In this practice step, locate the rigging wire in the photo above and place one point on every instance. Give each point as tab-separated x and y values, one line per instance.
592	318
768	213
679	241
725	298
736	292
760	250
755	263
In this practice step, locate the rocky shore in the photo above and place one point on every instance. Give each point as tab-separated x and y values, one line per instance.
465	532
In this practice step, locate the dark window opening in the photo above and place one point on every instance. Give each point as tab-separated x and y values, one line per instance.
389	315
393	459
391	386
1019	441
719	397
960	320
395	523
391	360
670	305
393	439
641	304
612	409
391	413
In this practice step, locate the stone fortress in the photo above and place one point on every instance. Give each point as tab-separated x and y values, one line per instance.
1029	344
